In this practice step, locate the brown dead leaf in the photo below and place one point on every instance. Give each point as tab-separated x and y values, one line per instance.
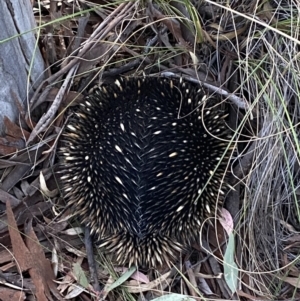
137	275
30	123
42	272
294	281
100	52
5	256
217	236
65	283
18	103
8	294
159	282
68	99
30	206
31	258
72	98
12	142
6	150
20	251
14	130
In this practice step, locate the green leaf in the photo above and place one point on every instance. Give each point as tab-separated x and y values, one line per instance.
80	275
174	297
230	268
122	279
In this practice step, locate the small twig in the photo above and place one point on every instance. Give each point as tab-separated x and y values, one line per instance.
49	116
91	259
123	69
239	102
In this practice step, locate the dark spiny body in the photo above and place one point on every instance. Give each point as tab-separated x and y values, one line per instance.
143	162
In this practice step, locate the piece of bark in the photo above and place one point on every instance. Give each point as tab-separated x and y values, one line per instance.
21	63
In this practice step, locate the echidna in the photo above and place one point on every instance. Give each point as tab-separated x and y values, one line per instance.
143	166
